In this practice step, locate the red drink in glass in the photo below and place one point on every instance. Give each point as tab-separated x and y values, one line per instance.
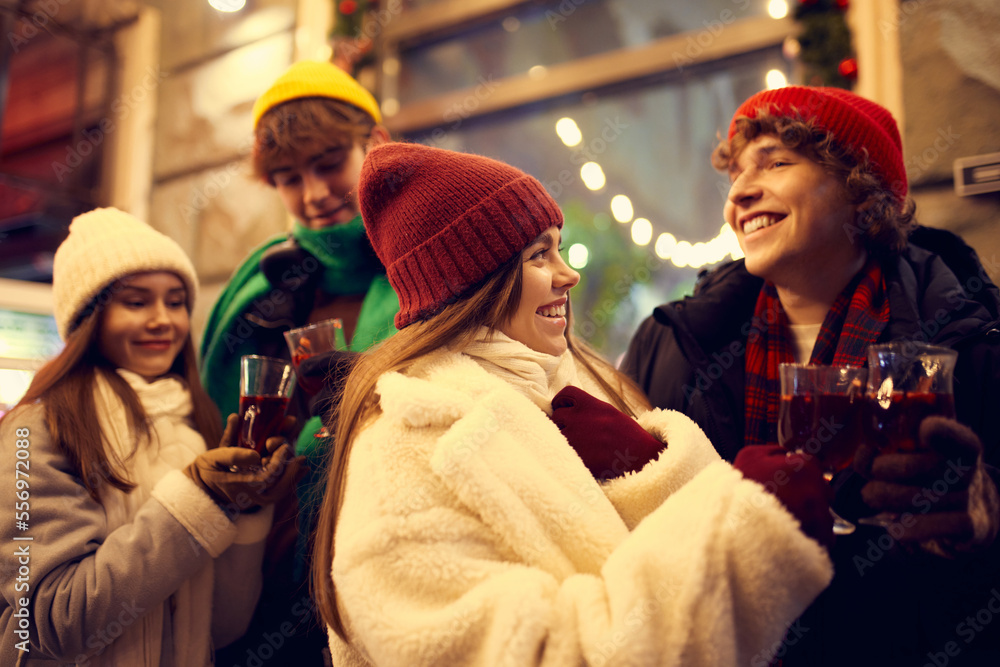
309	385
307	341
260	418
838	428
826	426
795	421
893	425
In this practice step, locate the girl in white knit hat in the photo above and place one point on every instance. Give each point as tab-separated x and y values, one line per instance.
136	541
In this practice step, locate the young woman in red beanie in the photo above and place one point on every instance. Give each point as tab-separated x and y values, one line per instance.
498	494
137	541
835	263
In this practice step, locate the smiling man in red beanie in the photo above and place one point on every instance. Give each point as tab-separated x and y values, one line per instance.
834	263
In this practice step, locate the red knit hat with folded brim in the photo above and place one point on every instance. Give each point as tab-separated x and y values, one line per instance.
442	221
858	124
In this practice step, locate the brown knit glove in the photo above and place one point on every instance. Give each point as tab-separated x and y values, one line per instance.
947	500
238	478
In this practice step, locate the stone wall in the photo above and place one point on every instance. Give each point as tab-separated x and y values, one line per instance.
214	66
951	94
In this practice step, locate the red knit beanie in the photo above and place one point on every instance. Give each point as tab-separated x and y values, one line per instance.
855	123
442	221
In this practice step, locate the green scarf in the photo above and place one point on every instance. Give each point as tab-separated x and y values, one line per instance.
347	257
351	267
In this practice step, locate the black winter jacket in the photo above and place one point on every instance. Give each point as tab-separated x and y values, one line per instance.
887	605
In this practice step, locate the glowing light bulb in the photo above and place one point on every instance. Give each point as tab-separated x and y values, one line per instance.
777	9
775	79
621	208
642	231
227	6
578	256
665	244
568	131
593	176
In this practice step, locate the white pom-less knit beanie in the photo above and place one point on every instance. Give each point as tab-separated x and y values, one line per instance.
105	245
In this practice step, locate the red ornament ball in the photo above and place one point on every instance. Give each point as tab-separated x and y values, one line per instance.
848	68
843	4
348	7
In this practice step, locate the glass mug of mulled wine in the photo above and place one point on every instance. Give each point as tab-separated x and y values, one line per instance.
820	415
907	381
308	341
265	388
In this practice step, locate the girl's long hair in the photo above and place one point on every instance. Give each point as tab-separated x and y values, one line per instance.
492	304
65	386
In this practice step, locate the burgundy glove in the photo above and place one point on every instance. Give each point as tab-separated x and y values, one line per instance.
610	442
944	486
798	483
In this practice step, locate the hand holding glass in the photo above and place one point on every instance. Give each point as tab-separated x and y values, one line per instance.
305	342
819	415
907	381
265	388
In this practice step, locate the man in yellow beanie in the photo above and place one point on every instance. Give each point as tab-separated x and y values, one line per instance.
312	128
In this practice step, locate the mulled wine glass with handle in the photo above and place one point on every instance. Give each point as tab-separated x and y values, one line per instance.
819	416
907	381
265	389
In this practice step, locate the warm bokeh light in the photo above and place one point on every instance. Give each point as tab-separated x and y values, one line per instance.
682	254
568	131
790	48
511	24
665	244
390	106
730	243
227	5
538	72
642	231
621	208
577	256
593	176
775	79
777	9
390	66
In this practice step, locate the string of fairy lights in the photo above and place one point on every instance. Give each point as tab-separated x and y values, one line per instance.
666	246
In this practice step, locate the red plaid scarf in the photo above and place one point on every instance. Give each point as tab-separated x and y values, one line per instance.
854	321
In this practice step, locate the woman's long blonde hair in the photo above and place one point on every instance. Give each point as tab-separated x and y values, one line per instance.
491	305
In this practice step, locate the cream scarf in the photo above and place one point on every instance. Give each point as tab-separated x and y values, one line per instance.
173	445
536	375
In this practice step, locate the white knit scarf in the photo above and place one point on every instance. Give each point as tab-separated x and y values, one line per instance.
174	443
536	375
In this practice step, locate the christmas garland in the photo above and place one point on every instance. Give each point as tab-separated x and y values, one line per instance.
825	43
352	44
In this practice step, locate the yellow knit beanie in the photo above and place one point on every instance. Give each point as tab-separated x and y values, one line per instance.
310	78
104	245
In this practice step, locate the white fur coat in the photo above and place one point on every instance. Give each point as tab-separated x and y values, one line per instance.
472	534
